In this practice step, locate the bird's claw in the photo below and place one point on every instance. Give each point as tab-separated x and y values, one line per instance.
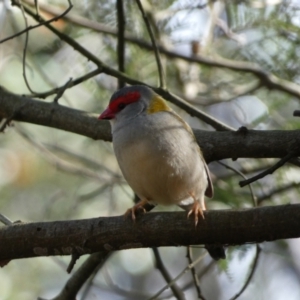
197	211
137	209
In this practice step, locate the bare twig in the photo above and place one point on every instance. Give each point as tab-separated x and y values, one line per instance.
276	191
6	123
184	271
13	115
5	220
74	257
254	266
25	48
26	31
194	274
110	285
200	274
206	100
90	282
162	83
70	84
59	15
74	284
267	79
279	164
216	124
254	198
164	272
121	40
62	90
106	69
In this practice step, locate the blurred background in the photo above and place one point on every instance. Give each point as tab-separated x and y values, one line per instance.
47	174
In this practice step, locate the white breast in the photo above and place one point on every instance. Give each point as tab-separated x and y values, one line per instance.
160	159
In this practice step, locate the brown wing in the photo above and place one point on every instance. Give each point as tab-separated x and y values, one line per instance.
209	190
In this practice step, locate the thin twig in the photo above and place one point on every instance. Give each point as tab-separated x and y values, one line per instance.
194	274
62	90
25	48
184	271
273	192
106	69
121	40
255	263
74	284
6	123
71	84
111	286
200	274
74	257
254	198
5	220
90	282
26	31
162	83
267	79
206	99
194	112
164	272
279	164
58	16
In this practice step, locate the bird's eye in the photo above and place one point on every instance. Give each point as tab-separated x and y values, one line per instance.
121	106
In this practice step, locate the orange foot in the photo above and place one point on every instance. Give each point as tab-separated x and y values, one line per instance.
139	207
196	211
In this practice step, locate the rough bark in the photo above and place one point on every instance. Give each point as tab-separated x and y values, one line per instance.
215	145
229	227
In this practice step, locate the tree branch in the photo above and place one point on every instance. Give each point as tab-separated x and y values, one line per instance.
75	283
121	41
228	227
266	78
215	145
161	75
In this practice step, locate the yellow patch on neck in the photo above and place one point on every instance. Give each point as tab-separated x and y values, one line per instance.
157	104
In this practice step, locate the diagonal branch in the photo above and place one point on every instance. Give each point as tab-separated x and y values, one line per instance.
78	279
266	78
106	69
161	267
162	83
251	274
271	170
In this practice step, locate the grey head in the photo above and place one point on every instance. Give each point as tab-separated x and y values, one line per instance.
127	103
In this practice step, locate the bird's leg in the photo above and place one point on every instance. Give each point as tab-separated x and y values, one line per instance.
196	209
139	206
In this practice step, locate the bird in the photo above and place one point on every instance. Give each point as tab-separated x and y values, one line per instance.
158	154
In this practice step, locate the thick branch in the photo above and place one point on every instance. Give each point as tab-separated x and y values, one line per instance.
215	145
116	233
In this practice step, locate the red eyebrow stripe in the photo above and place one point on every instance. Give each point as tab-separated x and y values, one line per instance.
128	98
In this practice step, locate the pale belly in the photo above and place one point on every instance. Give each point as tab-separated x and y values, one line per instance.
161	173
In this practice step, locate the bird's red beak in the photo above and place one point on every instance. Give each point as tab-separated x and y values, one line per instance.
108	114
